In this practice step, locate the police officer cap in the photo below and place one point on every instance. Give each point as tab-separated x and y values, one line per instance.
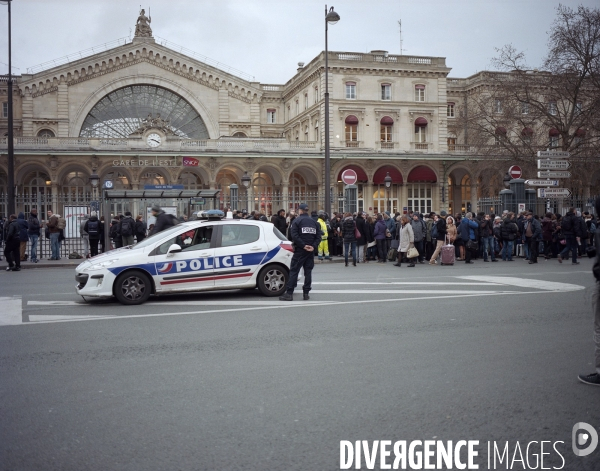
303	207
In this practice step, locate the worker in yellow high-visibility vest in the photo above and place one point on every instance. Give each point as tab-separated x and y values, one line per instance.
324	245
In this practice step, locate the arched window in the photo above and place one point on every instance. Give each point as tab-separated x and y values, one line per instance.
239	134
499	135
75	186
191	181
386	128
262	188
45	134
152	178
351	131
316	94
297	189
317	131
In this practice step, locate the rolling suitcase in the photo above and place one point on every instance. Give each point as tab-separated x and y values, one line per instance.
447	257
591	251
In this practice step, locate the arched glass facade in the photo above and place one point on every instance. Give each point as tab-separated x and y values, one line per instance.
123	112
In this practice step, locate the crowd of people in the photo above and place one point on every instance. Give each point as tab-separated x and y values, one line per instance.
417	238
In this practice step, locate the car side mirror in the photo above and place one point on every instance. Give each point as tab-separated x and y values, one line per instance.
173	249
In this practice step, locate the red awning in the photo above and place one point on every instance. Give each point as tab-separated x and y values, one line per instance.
351	119
387	121
420	122
362	176
501	131
380	174
527	132
420	87
580	132
422	174
554	132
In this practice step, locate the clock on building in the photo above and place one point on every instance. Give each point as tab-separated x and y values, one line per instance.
153	139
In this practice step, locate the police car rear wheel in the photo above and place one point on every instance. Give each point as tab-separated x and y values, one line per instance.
272	281
133	287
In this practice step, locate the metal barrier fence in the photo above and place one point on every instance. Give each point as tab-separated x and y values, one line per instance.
541	207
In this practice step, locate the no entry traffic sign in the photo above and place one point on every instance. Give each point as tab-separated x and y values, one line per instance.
349	176
515	171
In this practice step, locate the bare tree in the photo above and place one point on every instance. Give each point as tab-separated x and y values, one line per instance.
518	110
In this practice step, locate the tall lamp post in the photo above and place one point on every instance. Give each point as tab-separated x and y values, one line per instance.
11	151
94	180
388	183
246	182
330	17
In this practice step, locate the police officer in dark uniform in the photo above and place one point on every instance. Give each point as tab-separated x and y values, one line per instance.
306	236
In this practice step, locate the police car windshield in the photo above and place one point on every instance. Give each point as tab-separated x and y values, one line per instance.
158	236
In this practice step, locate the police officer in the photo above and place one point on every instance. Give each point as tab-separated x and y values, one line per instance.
306	236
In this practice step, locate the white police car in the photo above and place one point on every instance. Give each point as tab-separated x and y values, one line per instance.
209	254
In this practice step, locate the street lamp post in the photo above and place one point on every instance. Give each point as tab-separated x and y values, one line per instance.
11	151
94	180
388	183
246	182
330	17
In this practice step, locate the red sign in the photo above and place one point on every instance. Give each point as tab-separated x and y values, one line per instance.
349	176
515	171
190	162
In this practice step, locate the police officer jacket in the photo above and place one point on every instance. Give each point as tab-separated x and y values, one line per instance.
305	231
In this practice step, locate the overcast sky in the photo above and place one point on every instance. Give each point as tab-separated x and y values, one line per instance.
266	38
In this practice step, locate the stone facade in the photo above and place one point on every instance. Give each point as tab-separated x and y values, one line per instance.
388	114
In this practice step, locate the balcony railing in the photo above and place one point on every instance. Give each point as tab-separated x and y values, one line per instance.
352	143
459	148
384	145
170	145
420	146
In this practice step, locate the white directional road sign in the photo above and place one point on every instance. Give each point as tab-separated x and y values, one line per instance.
542	182
553	154
553	193
553	164
550	174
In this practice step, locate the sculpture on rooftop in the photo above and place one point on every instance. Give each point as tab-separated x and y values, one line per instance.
142	27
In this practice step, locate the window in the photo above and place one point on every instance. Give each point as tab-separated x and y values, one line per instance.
271	116
239	134
306	133
351	131
552	108
420	130
297	135
451	142
387	125
45	133
289	113
497	106
306	101
450	110
554	138
5	109
419	197
386	92
189	241
297	108
524	107
419	92
526	135
317	131
239	234
350	90
579	137
316	94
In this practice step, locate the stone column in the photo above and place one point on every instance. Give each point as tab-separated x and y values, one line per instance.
286	199
223	112
368	196
473	198
62	98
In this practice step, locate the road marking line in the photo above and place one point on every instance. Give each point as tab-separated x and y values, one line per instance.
56	303
287	305
428	283
398	291
527	283
54	317
12	311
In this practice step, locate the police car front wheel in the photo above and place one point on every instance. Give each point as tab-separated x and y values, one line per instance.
133	287
272	281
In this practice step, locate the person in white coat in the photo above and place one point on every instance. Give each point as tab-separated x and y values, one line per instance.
406	237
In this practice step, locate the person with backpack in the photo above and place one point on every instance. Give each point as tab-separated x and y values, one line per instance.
54	233
163	220
486	232
509	231
95	230
140	228
33	233
127	229
115	235
438	235
468	228
569	228
420	232
548	227
11	247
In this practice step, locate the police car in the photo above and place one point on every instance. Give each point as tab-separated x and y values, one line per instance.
212	253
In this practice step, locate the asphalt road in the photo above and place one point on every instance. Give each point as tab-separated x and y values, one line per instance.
233	380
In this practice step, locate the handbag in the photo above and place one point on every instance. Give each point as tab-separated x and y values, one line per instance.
395	243
371	244
471	245
412	252
357	233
